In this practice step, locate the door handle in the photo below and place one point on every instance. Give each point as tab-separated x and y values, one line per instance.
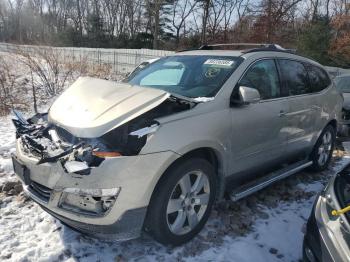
282	113
315	108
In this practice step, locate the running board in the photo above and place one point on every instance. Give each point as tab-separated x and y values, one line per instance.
267	180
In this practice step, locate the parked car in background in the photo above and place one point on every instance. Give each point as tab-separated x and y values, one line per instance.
154	153
342	84
142	66
327	236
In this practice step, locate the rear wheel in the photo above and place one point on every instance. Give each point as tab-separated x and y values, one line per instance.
182	202
322	152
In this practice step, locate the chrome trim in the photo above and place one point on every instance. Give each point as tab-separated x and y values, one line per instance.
255	188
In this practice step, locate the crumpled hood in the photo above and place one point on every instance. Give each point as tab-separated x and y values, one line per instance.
91	107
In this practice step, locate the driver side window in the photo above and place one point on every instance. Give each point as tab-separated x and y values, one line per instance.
263	76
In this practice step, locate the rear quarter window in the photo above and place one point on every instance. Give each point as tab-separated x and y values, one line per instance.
294	77
319	79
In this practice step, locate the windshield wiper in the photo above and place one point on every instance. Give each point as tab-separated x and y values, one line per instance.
180	97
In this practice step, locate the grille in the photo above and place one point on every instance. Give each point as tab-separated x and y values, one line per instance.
40	191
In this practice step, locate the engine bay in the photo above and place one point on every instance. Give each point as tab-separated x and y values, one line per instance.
48	142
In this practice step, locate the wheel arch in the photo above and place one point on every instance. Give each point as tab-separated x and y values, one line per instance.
207	153
333	122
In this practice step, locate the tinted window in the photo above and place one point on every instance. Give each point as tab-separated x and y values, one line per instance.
295	77
319	80
263	76
187	75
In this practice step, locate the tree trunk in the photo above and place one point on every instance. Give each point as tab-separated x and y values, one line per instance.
204	21
156	26
34	93
80	20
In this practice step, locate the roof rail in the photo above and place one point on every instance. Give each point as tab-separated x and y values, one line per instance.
237	45
248	47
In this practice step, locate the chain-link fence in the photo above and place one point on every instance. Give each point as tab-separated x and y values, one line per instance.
121	60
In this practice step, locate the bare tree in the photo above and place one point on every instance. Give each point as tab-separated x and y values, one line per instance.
48	71
206	6
11	87
181	11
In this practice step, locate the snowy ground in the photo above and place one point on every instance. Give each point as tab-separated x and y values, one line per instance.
264	227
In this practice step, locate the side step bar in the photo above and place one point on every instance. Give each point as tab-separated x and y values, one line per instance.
267	180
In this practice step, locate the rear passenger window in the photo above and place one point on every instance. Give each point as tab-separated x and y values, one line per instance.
295	77
319	79
263	76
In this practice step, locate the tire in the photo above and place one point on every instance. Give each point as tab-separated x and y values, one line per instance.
322	153
175	214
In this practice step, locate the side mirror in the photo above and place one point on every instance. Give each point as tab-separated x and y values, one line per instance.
244	96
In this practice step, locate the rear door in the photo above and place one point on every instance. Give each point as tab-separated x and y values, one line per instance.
304	110
259	137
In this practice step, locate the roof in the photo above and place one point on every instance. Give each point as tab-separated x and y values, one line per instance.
246	53
211	52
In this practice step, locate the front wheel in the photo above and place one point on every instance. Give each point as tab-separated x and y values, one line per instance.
323	150
182	202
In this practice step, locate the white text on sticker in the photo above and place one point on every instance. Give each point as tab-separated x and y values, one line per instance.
218	62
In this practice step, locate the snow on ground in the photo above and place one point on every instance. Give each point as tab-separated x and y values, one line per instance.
266	226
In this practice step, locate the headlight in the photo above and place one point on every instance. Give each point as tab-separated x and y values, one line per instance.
94	202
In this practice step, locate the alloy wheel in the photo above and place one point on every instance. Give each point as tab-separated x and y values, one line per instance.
188	202
325	148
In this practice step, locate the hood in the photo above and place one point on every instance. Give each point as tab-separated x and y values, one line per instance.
91	107
346	103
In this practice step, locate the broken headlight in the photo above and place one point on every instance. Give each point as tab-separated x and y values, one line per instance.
128	139
51	143
93	202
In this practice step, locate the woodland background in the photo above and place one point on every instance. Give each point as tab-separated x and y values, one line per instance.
319	29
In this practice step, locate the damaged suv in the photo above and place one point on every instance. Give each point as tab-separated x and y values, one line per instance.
153	153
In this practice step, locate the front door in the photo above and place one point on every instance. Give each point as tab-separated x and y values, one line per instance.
258	129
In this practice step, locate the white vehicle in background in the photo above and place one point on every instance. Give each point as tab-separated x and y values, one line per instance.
143	65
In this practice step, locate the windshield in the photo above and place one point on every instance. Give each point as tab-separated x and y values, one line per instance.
343	84
189	76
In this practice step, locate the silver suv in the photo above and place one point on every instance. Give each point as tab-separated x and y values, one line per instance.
154	153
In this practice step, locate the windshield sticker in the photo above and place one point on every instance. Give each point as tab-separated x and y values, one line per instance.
218	62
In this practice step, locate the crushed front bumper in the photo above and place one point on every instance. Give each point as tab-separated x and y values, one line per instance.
129	226
135	176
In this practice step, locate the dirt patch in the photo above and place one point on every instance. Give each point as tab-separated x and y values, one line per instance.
11	188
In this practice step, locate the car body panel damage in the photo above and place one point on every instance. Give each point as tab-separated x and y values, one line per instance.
91	107
51	137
